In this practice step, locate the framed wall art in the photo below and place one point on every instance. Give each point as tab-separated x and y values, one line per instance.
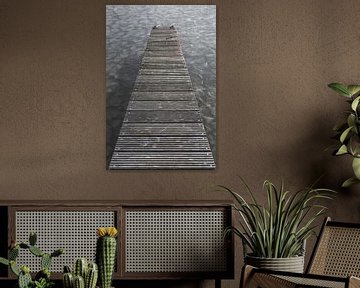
161	86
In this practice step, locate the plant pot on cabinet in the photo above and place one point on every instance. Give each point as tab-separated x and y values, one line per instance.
290	264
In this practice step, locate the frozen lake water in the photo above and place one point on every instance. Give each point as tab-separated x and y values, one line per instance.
127	31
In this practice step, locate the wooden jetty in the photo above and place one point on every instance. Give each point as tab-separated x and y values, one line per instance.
162	128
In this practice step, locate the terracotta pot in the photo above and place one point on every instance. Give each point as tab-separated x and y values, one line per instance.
291	264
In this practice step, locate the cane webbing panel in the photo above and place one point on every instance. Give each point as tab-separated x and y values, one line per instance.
338	252
74	231
267	280
313	282
174	241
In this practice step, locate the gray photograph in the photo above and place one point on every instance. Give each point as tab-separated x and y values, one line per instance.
161	86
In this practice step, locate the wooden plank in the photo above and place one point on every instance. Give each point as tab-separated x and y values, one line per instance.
164	96
163	87
163	105
162	66
178	71
163	80
162	129
152	78
162	144
162	160
163	116
162	60
161	48
150	53
170	41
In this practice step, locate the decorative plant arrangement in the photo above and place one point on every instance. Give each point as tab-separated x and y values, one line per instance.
106	254
85	275
349	131
42	278
279	229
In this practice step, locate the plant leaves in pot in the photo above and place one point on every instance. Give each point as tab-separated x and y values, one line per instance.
348	132
275	233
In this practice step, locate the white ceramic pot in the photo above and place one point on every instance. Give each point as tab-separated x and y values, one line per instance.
291	264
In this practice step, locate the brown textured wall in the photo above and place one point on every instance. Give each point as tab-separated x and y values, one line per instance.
275	113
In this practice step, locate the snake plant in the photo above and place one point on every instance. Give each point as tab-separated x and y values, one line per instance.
348	132
279	228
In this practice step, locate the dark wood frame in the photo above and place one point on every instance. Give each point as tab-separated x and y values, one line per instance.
119	208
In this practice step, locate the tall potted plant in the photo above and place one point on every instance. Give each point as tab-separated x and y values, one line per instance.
275	233
348	132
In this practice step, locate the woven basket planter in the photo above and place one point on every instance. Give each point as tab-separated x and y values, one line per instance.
291	264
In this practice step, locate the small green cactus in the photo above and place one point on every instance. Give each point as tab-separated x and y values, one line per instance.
79	282
68	280
106	254
91	276
80	267
42	278
84	274
24	280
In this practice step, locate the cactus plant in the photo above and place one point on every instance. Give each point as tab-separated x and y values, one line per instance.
79	282
68	280
84	274
24	277
105	254
81	266
42	278
91	276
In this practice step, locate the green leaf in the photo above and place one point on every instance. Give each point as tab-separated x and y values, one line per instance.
351	120
354	145
345	134
14	268
340	88
342	150
356	167
4	261
353	89
349	182
355	103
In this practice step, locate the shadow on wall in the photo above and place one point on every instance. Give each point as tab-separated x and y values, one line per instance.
310	155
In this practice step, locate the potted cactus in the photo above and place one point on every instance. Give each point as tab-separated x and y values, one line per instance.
42	278
84	275
106	254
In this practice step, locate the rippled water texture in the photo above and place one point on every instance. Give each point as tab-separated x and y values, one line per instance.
127	31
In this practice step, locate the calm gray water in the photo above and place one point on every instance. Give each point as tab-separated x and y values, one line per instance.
127	31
